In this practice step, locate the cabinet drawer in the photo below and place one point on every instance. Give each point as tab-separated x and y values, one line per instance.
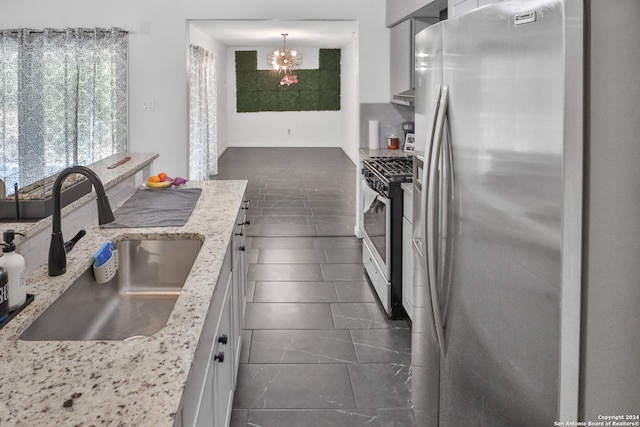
379	282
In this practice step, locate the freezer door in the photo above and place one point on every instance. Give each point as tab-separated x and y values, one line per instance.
504	68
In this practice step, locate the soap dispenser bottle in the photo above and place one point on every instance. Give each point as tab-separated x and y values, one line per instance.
13	262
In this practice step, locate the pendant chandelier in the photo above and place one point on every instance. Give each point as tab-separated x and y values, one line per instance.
285	60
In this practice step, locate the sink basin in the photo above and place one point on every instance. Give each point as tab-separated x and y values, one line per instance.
136	303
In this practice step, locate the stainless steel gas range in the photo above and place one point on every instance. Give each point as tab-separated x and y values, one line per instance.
382	244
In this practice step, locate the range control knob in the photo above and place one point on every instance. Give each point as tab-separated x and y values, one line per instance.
219	357
222	339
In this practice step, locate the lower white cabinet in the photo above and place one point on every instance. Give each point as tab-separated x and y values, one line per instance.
208	396
238	250
223	363
407	253
407	267
210	379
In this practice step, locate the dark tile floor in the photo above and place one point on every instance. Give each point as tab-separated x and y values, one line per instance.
317	349
295	191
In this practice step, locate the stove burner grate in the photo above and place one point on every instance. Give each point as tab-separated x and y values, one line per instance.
392	169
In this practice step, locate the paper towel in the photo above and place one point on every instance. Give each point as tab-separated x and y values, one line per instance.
374	134
368	196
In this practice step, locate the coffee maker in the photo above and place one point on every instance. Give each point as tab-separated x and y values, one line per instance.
408	129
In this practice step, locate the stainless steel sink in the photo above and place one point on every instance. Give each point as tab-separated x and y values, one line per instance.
136	303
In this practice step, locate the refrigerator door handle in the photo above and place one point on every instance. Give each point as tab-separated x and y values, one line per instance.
447	198
432	222
423	248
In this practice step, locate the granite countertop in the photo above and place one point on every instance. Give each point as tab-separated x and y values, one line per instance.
108	177
138	383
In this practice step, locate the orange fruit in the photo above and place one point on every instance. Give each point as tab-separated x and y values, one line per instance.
162	176
154	178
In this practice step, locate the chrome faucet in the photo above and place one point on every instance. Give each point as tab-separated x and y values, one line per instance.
57	253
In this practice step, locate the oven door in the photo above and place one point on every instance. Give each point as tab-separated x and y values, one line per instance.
377	227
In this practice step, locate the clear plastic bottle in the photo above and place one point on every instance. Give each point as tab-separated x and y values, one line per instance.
14	263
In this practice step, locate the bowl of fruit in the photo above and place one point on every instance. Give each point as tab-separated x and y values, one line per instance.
162	180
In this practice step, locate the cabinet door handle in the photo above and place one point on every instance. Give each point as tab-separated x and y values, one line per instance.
241	248
241	233
222	339
246	204
219	357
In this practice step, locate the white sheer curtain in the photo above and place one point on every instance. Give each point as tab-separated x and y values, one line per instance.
203	133
63	99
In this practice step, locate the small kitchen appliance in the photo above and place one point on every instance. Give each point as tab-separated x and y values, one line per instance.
408	127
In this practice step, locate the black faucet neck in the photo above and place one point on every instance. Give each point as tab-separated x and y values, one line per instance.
57	255
57	189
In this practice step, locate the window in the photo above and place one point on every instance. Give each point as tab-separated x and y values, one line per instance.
63	100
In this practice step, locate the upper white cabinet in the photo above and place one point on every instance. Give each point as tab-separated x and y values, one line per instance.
398	11
402	58
401	62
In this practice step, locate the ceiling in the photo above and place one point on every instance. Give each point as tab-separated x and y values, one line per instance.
320	34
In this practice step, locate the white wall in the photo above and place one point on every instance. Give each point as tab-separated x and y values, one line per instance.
349	104
158	52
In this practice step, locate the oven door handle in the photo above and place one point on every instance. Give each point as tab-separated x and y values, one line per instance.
382	259
433	221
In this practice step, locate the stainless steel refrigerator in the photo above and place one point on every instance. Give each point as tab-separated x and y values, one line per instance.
527	215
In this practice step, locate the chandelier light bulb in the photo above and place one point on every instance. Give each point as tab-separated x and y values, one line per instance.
285	60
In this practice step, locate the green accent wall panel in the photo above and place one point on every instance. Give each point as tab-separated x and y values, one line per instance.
260	90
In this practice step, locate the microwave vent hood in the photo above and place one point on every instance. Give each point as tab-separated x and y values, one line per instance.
406	97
